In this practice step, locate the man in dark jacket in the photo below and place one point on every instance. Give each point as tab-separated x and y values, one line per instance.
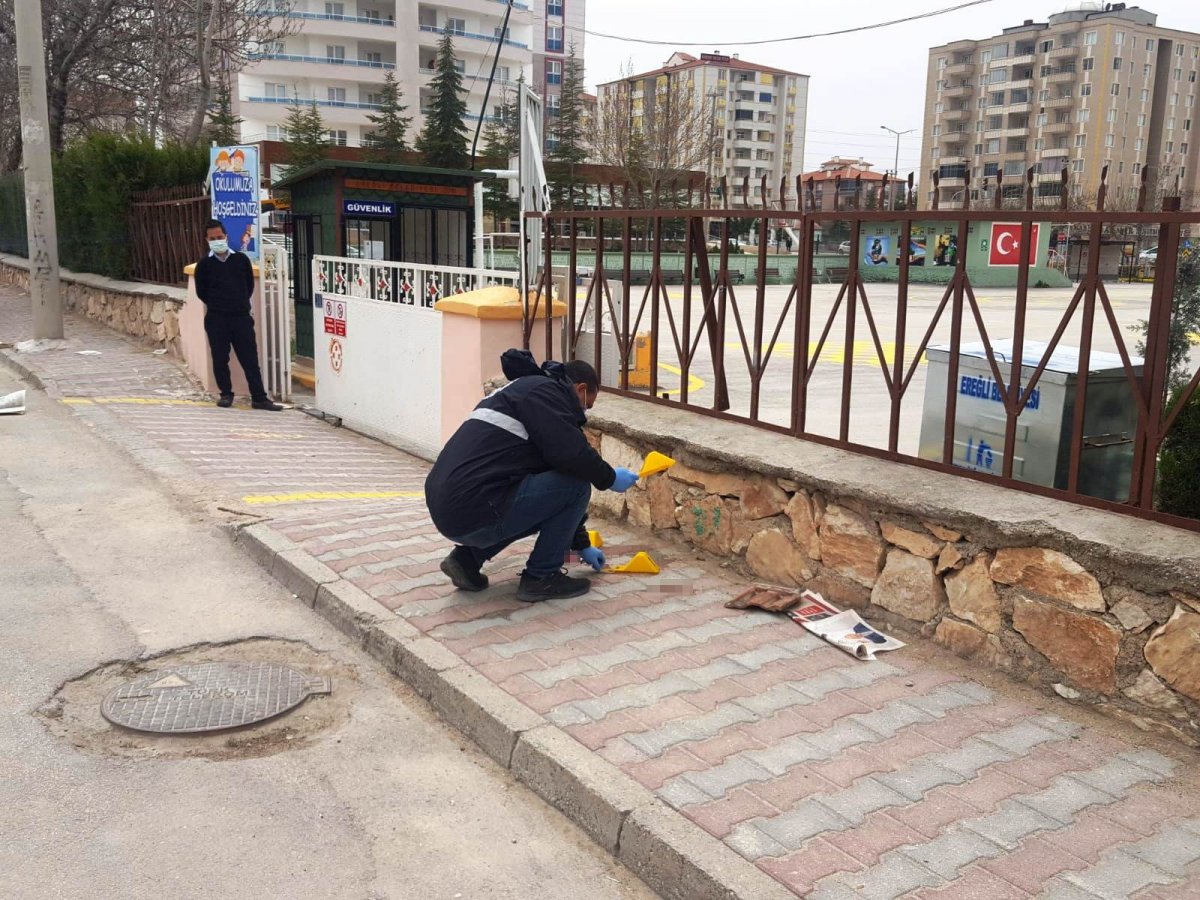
225	282
519	466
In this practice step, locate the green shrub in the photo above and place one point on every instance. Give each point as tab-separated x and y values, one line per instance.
12	215
1179	462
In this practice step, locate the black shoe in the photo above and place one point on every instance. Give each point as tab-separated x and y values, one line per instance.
460	567
558	586
225	401
266	404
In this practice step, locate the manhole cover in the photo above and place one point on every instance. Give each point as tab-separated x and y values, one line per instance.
209	697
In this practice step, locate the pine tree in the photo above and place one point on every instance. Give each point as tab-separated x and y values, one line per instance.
223	126
391	125
570	139
444	138
307	136
502	141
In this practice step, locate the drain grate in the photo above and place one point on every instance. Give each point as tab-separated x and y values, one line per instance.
203	697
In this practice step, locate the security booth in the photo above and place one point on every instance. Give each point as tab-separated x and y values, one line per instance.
1042	452
383	211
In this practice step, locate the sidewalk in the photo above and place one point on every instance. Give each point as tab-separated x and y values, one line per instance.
837	778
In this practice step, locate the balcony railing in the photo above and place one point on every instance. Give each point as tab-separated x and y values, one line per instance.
332	17
490	38
327	60
1053	152
302	101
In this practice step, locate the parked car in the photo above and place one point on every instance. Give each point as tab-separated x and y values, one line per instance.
1148	256
844	247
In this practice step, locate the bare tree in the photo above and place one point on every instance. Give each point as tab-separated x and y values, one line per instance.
657	144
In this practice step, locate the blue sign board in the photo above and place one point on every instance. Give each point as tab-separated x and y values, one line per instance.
233	173
362	208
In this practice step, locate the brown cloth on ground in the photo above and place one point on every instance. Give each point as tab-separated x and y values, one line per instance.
769	598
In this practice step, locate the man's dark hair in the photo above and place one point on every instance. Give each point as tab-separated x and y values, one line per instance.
581	372
214	223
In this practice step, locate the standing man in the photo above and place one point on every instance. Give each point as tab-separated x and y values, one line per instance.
520	465
225	282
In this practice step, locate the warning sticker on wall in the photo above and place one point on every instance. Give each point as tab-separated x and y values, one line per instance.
335	317
336	355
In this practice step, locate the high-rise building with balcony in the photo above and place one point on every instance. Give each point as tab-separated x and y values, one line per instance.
757	114
557	30
342	51
1094	85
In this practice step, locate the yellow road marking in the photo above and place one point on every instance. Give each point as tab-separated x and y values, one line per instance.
134	401
695	383
304	497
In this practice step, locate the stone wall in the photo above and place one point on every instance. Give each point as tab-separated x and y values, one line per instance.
1095	625
149	312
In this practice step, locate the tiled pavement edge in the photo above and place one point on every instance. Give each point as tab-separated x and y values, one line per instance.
717	753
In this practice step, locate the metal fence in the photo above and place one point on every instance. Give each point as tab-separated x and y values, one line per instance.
409	284
166	227
805	359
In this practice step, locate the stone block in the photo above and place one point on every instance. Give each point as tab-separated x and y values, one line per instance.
638	505
1149	691
662	502
963	639
803	514
1131	616
1173	651
973	596
940	531
608	504
773	556
949	559
1081	647
725	484
1048	573
851	545
157	312
744	530
841	592
618	453
761	499
914	542
909	586
708	524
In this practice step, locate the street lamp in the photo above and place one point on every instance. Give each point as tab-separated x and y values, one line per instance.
896	168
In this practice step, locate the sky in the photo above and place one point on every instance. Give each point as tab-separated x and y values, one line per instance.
857	82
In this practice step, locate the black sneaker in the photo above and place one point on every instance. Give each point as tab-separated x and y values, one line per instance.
460	567
225	401
266	404
558	586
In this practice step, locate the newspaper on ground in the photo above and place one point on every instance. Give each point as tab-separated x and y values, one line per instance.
12	404
845	630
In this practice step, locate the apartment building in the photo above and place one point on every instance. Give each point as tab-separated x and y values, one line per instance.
557	28
758	113
343	50
1094	85
839	178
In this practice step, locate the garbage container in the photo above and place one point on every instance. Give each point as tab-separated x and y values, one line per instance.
1043	435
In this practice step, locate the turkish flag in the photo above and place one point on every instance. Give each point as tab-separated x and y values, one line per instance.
1006	244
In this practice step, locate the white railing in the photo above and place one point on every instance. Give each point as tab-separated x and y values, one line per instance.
407	284
276	327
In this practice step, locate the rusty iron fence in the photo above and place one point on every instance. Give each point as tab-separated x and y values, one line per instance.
166	227
783	371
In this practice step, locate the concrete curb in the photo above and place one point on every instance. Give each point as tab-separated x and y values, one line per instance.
670	854
12	359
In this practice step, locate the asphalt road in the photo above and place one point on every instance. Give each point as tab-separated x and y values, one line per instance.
362	794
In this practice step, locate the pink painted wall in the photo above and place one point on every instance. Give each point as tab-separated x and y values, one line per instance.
194	342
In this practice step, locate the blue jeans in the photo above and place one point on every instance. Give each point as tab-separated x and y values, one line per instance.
551	505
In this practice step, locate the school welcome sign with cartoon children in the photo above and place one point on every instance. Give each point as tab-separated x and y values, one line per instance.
235	195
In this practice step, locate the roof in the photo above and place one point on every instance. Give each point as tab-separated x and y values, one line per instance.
327	165
847	173
730	63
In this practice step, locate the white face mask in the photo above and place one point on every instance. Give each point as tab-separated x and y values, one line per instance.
219	246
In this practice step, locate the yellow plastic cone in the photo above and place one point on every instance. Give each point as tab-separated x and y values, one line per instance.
655	462
594	537
641	564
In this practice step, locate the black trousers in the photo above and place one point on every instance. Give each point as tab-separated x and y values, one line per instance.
237	331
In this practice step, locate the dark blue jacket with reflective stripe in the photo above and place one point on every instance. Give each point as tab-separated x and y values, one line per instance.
533	424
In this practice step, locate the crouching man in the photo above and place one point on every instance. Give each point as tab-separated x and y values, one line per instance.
519	466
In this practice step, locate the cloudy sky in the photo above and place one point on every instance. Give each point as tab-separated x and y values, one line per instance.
858	82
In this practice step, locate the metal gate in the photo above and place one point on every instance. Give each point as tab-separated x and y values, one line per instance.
276	324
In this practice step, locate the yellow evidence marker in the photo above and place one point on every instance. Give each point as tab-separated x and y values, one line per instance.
655	462
641	564
594	537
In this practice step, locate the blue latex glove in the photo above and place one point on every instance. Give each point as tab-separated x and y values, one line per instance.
594	557
626	478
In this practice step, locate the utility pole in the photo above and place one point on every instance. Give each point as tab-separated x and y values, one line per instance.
896	167
39	184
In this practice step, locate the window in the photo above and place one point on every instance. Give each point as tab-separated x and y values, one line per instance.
336	95
979	125
1085	90
990	169
276	133
554	8
277	91
1183	148
502	74
1120	167
456	26
1146	70
743	115
938	107
1116	90
1187	124
1145	95
1137	145
1077	165
376	99
1039	144
373	57
1045	70
1019	96
1170	146
1178	74
1117	61
985	57
1171	124
337	137
1120	38
937	129
1089	38
764	97
1174	99
1080	140
1047	46
1043	96
978	149
1083	115
993	146
995	122
1112	116
335	9
554	38
372	14
942	62
1179	49
1014	167
1141	120
335	53
996	98
1108	140
554	104
1041	120
1192	77
1000	51
981	103
1088	64
553	71
996	76
1015	145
